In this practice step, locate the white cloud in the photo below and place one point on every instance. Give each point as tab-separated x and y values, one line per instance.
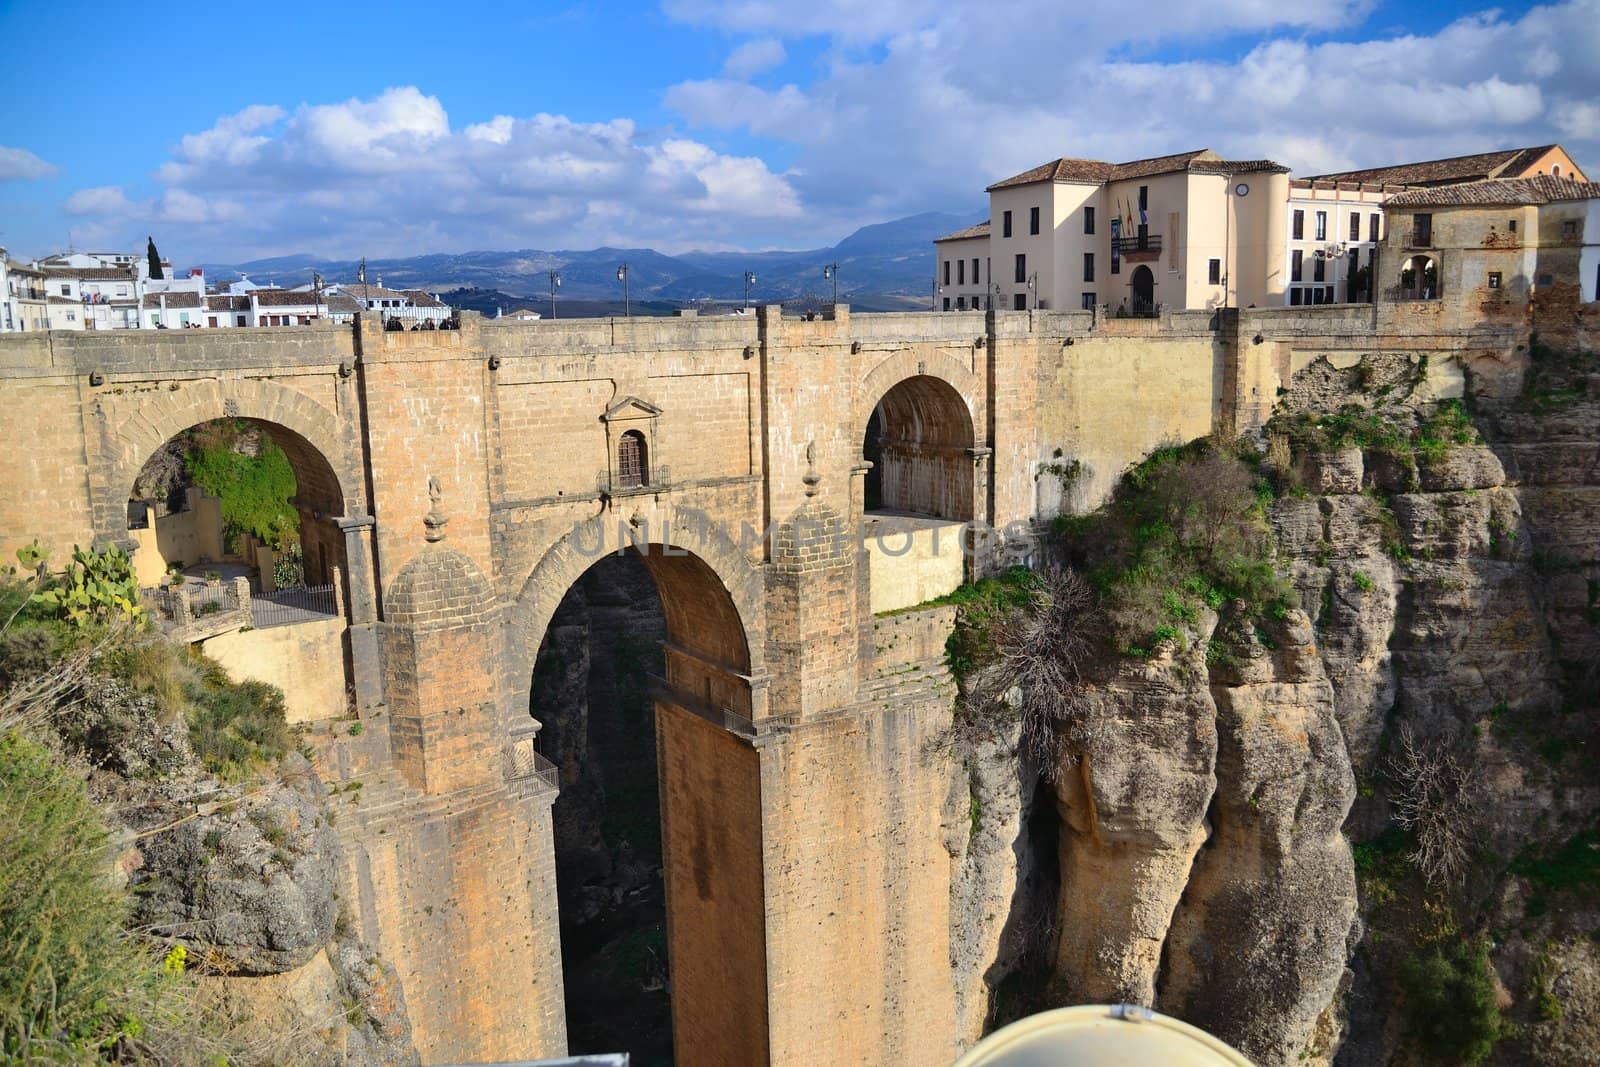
390	175
19	164
919	107
100	200
754	57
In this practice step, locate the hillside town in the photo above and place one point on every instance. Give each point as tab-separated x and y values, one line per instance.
122	291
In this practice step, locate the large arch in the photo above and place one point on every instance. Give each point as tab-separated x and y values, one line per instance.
308	432
708	769
702	555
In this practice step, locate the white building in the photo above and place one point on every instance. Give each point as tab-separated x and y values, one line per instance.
963	281
408	307
1333	235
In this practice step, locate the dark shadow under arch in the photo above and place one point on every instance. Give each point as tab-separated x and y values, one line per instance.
920	440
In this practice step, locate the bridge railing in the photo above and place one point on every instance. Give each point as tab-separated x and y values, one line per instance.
724	717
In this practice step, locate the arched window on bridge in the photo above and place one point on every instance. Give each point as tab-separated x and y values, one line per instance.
633	461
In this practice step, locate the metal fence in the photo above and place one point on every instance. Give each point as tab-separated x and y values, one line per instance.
212	599
288	606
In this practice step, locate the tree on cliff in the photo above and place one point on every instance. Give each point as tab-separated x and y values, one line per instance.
155	257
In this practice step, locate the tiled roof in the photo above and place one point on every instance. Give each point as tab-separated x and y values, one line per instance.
1539	189
422	300
227	303
339	304
1201	161
370	292
183	298
280	298
91	274
980	230
1440	171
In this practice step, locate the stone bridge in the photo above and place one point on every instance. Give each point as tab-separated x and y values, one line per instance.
462	481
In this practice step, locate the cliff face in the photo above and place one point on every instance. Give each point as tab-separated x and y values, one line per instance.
1445	567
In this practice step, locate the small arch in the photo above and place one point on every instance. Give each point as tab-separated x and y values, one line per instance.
1555	169
1143	285
1419	278
633	460
920	441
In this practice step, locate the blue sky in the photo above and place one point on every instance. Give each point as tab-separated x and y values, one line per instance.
394	128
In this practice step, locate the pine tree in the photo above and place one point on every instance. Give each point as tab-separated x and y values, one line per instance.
155	258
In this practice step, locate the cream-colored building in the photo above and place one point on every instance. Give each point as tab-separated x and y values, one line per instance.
962	282
1485	251
1191	230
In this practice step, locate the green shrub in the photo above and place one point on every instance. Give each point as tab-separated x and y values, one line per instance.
236	727
1450	1003
1186	529
96	587
254	489
73	982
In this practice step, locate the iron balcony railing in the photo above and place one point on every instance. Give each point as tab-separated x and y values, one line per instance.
288	606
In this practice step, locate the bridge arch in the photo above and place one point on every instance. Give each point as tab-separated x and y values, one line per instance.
711	559
920	435
308	432
707	770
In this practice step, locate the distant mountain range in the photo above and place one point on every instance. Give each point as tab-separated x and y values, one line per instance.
881	267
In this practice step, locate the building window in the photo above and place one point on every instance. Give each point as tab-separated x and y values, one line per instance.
961	303
1511	224
947	272
1088	220
1319	269
633	465
1088	302
1372	226
961	272
1355	226
947	303
1297	266
66	290
1322	226
1494	279
1294	297
1033	220
1569	230
1005	224
211	321
243	319
1422	230
1214	272
1019	302
1088	266
1116	264
975	278
1022	268
1144	197
1299	228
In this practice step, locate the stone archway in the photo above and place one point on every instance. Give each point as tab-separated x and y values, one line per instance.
703	703
924	452
1143	286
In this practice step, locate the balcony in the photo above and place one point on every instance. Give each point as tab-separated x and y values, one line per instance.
1138	248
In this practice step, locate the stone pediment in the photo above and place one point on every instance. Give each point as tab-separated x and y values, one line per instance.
630	407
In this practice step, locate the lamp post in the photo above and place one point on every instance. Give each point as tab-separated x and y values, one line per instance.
555	283
937	289
749	280
832	271
1033	287
627	302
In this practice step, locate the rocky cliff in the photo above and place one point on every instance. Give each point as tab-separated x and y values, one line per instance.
1425	691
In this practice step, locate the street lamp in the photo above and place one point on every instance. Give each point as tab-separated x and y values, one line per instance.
627	302
749	280
555	283
937	289
1033	287
832	271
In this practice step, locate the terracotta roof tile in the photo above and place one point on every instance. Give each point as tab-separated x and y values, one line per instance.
91	274
183	298
1439	171
980	230
1201	161
281	298
1539	189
